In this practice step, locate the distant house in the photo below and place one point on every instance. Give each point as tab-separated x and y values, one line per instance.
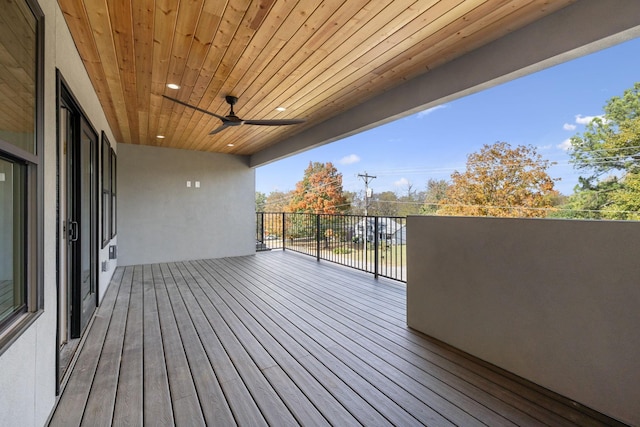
389	230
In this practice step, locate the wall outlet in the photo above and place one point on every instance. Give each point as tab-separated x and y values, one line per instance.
105	265
188	184
197	184
112	252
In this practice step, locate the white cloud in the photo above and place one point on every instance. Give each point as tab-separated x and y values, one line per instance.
425	113
565	145
544	147
569	126
350	159
585	120
402	182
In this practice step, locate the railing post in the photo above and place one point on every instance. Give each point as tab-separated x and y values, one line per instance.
284	237
261	227
318	237
375	247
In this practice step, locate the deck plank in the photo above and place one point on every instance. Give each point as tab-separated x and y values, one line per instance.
212	400
248	357
99	407
363	376
158	410
129	403
280	339
184	397
240	401
286	356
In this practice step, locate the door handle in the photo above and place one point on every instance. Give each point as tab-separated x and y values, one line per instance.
73	231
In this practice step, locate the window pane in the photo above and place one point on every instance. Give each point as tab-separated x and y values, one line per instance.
17	75
12	286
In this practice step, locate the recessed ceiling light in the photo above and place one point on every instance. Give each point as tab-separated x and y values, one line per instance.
281	109
230	144
173	86
160	136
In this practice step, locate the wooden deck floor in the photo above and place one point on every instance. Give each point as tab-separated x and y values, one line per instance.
278	339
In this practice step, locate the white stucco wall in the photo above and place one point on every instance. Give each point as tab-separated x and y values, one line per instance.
554	301
160	219
27	367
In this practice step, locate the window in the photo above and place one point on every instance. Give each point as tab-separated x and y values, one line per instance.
106	190
113	194
21	166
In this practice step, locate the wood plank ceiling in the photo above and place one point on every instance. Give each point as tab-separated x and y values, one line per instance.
314	58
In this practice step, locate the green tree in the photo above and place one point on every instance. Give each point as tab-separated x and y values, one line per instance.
436	191
609	151
625	202
354	202
320	191
501	181
410	202
384	204
261	199
277	201
588	201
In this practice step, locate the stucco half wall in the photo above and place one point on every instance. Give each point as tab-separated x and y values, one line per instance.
161	219
554	301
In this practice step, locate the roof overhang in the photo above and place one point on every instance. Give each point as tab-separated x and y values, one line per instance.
582	28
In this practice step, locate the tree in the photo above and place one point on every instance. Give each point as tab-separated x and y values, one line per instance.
409	203
384	204
625	201
611	142
588	201
277	201
356	204
320	191
436	191
261	199
609	150
501	181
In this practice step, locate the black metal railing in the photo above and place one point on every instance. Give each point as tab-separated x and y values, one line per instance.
375	244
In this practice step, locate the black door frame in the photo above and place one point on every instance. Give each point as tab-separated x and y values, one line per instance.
66	99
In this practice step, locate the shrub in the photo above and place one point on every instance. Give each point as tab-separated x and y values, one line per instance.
342	251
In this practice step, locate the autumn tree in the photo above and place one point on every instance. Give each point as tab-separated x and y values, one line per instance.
320	191
609	152
501	181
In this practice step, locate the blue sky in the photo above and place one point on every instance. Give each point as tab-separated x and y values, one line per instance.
543	109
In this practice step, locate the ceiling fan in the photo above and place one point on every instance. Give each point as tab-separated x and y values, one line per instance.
232	120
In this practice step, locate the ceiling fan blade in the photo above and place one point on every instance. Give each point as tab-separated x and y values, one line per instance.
223	118
219	129
283	122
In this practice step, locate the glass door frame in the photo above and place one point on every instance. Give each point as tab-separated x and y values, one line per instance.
69	262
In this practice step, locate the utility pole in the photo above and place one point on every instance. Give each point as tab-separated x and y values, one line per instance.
367	194
366	178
